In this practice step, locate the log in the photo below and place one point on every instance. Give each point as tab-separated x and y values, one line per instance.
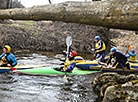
119	14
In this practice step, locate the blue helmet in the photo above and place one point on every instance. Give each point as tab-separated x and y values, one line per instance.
97	37
133	50
113	50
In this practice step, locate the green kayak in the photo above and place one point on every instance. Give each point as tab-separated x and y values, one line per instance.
52	71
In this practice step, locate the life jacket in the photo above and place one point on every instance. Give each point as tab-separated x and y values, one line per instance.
98	45
133	57
79	59
4	59
67	63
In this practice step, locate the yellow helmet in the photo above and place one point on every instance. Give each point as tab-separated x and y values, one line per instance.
8	48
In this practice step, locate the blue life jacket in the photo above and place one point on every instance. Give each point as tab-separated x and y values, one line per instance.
8	59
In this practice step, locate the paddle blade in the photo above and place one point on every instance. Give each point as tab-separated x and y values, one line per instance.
68	40
65	77
129	47
13	68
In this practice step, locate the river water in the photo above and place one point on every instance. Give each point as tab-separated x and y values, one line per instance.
25	88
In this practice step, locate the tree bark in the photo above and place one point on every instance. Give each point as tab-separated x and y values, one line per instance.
120	14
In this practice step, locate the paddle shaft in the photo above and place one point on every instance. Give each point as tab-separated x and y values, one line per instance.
68	43
128	49
127	52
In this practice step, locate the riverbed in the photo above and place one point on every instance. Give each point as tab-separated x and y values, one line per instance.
25	88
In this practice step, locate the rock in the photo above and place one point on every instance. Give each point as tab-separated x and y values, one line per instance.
125	78
115	94
104	79
114	87
105	86
127	92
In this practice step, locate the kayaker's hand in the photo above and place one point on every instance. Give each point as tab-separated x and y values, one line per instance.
94	56
92	50
67	52
66	69
105	64
127	52
110	66
8	65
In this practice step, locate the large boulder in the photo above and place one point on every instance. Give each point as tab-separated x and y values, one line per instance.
113	87
104	79
127	92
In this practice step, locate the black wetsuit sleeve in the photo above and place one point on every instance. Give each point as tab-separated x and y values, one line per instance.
109	61
115	63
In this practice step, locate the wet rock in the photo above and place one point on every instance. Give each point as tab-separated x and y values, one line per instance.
126	38
115	94
105	86
104	79
126	78
127	92
114	87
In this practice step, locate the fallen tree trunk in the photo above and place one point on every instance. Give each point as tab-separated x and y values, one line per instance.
120	14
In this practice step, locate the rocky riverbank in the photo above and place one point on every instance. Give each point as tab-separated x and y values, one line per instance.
113	87
50	36
126	38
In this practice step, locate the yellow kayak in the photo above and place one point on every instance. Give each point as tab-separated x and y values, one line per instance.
19	67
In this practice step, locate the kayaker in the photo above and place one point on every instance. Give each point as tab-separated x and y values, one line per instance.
120	59
100	49
77	59
7	58
70	63
132	55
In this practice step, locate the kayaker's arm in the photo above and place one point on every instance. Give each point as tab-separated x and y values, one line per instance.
109	61
2	56
71	67
128	56
114	63
131	54
13	59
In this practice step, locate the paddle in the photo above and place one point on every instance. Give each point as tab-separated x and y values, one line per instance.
93	51
128	49
68	43
101	63
127	52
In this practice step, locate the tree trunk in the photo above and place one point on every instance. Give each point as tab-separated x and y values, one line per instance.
8	3
121	14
